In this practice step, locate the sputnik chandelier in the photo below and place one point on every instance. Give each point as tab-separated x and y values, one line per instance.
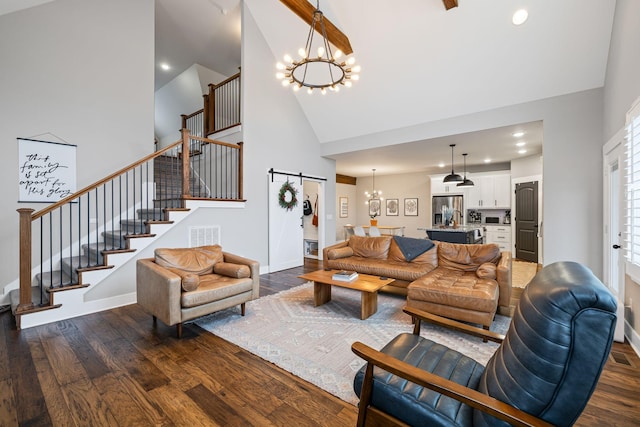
324	71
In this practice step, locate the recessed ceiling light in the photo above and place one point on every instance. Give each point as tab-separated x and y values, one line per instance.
518	134
520	17
487	160
522	151
521	144
165	66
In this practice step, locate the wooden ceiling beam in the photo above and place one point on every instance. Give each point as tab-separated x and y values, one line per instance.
450	4
305	10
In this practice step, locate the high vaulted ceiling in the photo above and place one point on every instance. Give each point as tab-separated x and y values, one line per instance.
422	63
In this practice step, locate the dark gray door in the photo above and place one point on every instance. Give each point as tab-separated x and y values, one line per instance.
527	221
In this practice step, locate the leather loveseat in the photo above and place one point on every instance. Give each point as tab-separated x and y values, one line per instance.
459	281
182	284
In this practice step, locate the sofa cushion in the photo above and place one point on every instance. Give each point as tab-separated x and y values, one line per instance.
487	271
370	247
198	260
214	287
239	271
190	281
455	288
466	257
429	257
339	252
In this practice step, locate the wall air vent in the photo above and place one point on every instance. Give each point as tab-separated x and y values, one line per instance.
204	236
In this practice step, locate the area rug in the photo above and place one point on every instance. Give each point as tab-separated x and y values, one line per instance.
522	272
314	343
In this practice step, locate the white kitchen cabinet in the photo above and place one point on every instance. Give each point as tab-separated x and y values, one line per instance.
489	192
440	188
502	190
500	235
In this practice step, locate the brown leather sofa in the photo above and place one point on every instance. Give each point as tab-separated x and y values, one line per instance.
459	281
182	284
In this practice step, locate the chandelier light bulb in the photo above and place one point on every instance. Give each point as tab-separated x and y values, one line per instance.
296	88
288	58
285	82
323	91
351	61
347	83
279	75
320	52
356	69
337	54
280	66
302	52
355	77
310	91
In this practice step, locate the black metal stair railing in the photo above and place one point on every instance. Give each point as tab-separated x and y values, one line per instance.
78	232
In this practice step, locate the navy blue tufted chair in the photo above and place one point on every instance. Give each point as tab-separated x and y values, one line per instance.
543	373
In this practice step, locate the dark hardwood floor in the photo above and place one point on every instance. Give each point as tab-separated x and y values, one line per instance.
115	368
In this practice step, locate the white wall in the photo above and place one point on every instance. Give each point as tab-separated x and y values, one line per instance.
182	95
82	71
527	166
622	83
400	186
350	192
622	87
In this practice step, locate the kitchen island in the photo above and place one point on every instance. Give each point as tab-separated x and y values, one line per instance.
456	234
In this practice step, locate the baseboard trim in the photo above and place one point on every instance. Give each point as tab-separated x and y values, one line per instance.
633	337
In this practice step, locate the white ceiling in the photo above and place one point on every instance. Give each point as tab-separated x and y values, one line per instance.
419	62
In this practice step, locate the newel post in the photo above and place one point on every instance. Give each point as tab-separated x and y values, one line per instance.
185	164
240	170
25	259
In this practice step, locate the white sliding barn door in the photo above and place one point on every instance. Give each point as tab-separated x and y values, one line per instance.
285	226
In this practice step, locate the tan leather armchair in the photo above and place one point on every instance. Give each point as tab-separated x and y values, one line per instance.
183	284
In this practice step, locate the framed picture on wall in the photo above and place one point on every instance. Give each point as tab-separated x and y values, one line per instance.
411	207
344	207
374	208
392	207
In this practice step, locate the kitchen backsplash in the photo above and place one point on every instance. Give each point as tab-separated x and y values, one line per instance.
479	216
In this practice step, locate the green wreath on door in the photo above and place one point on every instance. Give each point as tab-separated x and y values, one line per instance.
287	196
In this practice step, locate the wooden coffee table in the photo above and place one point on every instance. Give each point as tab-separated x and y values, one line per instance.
366	284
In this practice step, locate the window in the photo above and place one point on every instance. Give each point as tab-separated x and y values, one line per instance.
632	190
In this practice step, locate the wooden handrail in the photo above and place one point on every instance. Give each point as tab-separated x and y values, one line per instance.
214	86
214	141
102	181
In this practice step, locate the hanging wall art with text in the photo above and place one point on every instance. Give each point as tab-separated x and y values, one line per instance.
46	170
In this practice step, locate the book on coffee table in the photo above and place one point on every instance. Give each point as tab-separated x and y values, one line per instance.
345	275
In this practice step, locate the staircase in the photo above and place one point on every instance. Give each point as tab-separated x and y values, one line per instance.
116	217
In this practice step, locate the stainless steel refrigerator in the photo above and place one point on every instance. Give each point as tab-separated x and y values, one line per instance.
452	203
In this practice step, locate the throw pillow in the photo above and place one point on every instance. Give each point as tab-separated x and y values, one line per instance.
370	247
340	253
190	281
238	271
487	271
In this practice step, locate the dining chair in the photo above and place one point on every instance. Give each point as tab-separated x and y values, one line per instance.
374	232
359	231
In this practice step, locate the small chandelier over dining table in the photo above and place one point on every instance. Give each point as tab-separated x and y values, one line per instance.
322	71
375	194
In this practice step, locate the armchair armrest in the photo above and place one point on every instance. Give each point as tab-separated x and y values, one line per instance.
419	315
503	277
443	386
158	291
254	266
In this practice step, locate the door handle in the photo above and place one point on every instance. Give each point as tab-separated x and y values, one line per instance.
616	246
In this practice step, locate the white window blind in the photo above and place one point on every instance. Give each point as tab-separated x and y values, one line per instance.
632	186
